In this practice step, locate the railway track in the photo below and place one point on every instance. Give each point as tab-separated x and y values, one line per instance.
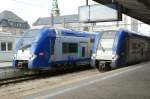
17	79
54	72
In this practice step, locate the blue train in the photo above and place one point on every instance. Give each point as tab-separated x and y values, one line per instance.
46	48
119	48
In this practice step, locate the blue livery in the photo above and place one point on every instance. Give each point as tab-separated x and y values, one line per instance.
46	48
119	48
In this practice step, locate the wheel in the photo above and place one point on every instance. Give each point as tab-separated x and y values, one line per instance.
107	67
101	67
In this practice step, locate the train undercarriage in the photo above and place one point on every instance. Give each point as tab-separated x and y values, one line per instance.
103	65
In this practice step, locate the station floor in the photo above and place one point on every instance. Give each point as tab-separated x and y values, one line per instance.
131	82
5	64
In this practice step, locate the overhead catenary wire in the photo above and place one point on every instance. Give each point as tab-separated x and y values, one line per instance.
30	4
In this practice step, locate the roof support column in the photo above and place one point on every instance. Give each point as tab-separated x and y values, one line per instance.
87	2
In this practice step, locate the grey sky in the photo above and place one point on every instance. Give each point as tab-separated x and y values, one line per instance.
30	10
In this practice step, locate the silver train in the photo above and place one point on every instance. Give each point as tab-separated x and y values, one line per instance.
113	49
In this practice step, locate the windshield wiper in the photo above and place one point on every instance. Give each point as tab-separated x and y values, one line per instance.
102	47
26	46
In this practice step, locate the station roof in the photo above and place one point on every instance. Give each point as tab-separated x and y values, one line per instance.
10	16
10	19
57	20
138	9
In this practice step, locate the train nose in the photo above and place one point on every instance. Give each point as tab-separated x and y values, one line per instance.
32	57
23	55
115	57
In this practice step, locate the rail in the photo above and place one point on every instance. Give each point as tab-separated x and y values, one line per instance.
17	79
15	75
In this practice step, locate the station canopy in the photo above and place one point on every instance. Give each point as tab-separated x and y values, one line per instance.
138	9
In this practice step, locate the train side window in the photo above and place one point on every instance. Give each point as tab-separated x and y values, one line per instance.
69	48
92	40
73	48
65	48
134	46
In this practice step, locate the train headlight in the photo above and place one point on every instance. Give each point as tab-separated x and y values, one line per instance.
93	56
33	56
115	57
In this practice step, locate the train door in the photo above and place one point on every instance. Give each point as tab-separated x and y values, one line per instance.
83	50
52	49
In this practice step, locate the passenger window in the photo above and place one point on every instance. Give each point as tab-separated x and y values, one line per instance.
133	46
69	48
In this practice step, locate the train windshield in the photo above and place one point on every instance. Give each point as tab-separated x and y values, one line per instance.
28	38
107	40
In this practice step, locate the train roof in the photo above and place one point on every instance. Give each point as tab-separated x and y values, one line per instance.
77	33
68	32
132	33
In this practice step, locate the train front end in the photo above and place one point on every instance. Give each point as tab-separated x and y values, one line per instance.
33	49
107	54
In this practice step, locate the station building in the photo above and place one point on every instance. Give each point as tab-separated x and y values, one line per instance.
62	21
73	22
11	27
65	21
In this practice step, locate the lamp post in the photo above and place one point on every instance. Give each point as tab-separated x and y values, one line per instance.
87	2
52	20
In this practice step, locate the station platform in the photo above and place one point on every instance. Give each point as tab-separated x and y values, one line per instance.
131	82
5	64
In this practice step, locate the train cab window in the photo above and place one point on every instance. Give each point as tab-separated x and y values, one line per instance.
31	33
28	38
69	48
110	34
107	40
